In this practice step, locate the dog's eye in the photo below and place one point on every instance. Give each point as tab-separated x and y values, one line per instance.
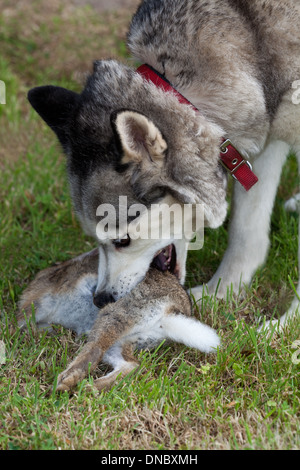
122	242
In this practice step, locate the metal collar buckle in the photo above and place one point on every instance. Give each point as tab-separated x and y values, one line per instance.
230	158
236	162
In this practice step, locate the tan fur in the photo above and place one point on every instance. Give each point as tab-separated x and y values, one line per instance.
57	279
159	290
157	309
61	293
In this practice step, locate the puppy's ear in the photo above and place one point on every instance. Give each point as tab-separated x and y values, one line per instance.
141	140
54	105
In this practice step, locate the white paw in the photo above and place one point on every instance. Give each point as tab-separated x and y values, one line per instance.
293	204
218	289
205	290
284	321
198	292
270	327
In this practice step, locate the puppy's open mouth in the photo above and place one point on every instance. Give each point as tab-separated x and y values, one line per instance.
166	260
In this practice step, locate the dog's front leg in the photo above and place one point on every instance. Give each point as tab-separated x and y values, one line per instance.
292	205
250	224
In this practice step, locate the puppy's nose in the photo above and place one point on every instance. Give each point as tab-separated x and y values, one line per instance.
102	298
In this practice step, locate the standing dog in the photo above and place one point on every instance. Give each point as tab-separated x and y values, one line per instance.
238	63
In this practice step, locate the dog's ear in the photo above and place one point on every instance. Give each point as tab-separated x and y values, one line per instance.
141	140
54	105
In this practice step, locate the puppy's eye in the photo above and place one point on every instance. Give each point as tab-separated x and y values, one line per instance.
122	242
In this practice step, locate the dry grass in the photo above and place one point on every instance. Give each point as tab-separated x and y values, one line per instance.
50	42
61	40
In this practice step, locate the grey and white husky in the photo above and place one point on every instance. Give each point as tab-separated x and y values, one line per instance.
238	63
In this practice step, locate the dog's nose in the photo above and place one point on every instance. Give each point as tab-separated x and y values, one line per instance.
102	298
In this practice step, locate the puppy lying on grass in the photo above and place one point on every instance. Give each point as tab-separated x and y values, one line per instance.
157	309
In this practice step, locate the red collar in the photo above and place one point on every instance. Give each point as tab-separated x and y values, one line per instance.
231	159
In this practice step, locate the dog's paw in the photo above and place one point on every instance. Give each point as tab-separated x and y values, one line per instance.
293	204
198	292
219	289
270	327
284	322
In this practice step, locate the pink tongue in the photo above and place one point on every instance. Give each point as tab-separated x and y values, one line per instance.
160	262
166	260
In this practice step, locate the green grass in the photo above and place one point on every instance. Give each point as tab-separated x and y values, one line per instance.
245	397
